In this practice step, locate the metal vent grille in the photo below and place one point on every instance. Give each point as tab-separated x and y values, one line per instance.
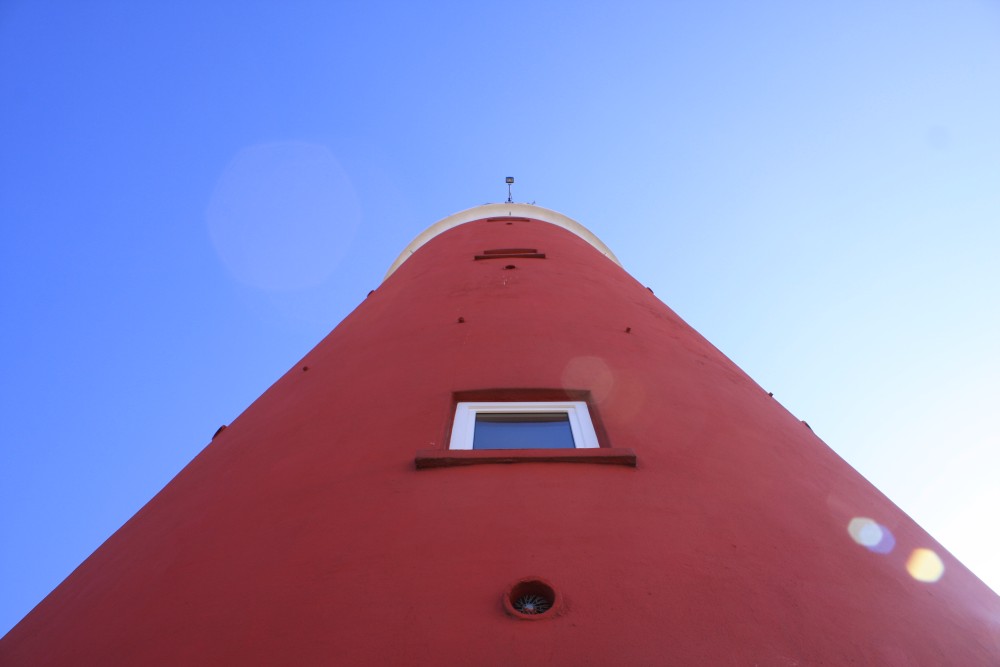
531	600
532	604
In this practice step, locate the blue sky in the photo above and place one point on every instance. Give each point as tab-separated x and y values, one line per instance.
815	187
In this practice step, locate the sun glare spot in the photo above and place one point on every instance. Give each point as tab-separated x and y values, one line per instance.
283	215
590	372
871	535
925	565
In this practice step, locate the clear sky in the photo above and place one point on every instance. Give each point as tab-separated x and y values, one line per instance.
193	194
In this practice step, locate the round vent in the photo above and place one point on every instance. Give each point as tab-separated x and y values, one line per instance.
532	604
530	599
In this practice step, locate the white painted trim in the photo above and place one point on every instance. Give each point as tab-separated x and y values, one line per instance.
498	211
464	429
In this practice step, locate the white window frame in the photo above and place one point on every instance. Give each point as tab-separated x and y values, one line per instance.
464	429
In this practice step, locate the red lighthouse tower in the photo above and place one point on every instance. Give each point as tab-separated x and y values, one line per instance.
513	453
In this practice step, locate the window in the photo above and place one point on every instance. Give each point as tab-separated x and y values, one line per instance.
538	425
523	425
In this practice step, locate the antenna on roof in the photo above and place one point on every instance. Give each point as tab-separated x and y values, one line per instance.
510	181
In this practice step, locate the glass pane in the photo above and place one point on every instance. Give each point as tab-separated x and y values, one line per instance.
523	430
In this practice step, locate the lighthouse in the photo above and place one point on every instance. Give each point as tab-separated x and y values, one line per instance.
512	453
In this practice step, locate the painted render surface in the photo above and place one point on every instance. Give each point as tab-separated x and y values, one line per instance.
304	534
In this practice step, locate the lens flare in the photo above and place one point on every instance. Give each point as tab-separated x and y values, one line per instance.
282	215
925	565
871	535
590	372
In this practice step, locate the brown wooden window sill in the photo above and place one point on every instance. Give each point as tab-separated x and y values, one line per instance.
526	255
446	458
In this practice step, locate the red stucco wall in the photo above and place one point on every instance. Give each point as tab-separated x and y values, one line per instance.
305	535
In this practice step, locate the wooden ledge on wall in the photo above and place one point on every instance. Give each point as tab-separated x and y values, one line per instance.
446	458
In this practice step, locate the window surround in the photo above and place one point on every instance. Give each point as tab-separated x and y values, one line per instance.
601	453
464	427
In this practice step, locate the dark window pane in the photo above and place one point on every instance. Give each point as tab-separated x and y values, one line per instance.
525	430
